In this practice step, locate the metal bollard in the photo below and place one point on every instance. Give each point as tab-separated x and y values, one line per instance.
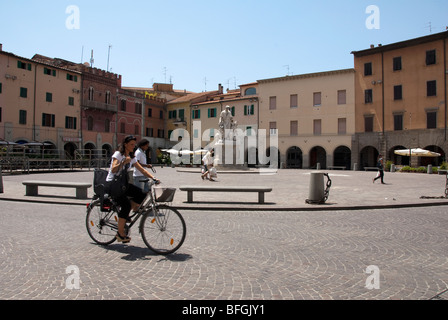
316	192
1	180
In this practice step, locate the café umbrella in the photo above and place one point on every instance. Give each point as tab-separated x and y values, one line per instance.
417	152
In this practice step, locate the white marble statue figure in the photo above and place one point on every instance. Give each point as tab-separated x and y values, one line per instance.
226	124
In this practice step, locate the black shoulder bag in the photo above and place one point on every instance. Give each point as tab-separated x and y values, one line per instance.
119	185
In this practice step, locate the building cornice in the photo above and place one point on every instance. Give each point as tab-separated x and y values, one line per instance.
308	75
401	44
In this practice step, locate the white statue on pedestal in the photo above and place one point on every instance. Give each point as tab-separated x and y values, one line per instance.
226	124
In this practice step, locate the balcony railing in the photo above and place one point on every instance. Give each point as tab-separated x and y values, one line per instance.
99	105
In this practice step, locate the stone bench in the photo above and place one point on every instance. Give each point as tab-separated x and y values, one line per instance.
371	168
81	188
260	190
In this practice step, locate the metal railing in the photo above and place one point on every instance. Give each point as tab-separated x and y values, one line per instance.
52	160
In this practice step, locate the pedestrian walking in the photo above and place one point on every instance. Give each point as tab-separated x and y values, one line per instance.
380	165
208	160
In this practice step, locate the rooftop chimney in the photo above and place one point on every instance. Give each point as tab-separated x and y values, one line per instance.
1	47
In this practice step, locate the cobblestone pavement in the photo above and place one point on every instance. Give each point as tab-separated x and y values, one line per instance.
382	236
281	255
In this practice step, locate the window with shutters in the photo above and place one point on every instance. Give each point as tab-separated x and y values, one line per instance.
293	101
368	124
317	127
294	128
342	126
48	120
398	92
272	103
342	97
317	99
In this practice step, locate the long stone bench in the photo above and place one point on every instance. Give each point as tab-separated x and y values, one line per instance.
260	190
81	188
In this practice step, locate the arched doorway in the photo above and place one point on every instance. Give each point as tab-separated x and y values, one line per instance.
252	157
368	157
318	155
342	156
294	158
69	150
434	161
273	150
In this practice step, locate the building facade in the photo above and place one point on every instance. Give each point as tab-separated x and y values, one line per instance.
401	100
243	104
181	114
39	102
311	116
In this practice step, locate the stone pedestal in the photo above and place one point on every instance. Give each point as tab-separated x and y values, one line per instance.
229	155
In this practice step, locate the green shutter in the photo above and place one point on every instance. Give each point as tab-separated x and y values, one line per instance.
209	112
245	110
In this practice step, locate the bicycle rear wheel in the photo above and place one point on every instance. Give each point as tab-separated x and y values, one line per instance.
101	226
164	230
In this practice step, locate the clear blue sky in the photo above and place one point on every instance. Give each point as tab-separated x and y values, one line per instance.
228	42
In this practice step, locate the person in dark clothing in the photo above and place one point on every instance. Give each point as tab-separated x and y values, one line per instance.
380	165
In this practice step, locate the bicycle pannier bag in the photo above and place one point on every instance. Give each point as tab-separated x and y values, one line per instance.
99	181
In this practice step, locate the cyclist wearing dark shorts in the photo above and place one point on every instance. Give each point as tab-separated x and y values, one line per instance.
134	195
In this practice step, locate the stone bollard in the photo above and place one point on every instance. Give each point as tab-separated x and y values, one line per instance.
429	169
355	167
392	168
316	192
318	166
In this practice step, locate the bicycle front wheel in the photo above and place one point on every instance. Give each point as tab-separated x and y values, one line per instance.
163	230
101	226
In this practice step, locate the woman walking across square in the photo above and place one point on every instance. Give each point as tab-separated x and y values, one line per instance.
380	165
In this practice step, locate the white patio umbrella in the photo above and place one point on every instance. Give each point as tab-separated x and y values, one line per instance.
200	151
7	143
171	151
185	152
177	152
418	152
